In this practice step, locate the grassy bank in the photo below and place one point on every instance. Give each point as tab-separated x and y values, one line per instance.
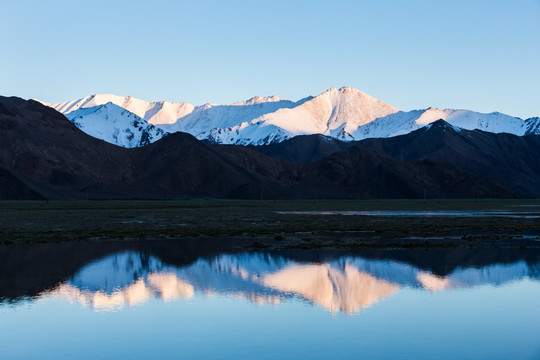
116	220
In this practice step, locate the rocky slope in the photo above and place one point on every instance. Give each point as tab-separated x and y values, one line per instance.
42	154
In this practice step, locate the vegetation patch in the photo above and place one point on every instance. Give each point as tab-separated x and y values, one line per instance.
283	223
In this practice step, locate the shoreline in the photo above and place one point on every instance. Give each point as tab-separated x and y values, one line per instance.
278	224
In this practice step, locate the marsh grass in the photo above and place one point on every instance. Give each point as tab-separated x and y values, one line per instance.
127	220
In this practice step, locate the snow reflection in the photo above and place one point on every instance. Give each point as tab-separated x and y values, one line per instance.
347	284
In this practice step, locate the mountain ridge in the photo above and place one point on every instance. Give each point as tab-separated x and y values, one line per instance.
346	114
125	128
42	152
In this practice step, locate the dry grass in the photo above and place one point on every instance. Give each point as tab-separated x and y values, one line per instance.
104	220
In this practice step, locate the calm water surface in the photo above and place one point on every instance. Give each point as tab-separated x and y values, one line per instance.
531	214
168	300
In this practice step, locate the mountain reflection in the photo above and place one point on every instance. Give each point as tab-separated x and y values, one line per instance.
346	284
346	290
165	286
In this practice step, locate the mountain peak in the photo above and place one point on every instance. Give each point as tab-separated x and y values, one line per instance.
441	125
348	89
115	124
343	113
342	89
259	100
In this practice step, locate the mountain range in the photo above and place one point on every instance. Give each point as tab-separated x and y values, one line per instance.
45	155
345	114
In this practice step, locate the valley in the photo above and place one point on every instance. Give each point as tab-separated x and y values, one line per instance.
401	224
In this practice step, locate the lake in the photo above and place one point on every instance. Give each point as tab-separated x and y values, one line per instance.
208	299
532	214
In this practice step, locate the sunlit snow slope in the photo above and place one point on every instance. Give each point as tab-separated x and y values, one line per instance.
345	114
116	125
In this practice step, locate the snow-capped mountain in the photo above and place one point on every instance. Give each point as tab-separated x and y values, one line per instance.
160	112
209	117
533	125
404	122
335	113
116	125
345	113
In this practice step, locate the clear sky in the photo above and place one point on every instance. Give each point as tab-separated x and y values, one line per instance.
479	55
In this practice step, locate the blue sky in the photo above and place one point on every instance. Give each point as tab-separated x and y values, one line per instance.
478	55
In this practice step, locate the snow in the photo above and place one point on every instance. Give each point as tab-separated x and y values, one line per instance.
167	113
470	120
332	113
209	116
533	126
404	122
115	125
326	113
346	114
160	112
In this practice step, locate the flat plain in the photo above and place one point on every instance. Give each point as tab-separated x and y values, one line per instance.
280	224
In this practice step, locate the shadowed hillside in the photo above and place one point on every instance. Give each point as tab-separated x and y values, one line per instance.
43	155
